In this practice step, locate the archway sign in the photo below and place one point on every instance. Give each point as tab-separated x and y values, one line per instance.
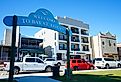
41	18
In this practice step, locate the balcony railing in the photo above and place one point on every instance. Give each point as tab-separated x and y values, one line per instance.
74	40
30	46
84	41
85	49
75	49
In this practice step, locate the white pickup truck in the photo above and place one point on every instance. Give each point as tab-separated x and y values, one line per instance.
29	64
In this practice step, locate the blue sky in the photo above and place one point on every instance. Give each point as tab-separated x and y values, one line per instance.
101	15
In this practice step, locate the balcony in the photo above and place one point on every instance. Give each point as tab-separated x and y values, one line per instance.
75	47
75	30
84	32
75	38
85	48
84	40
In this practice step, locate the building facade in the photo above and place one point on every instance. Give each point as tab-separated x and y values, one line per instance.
119	50
30	46
79	41
5	46
8	37
104	45
24	46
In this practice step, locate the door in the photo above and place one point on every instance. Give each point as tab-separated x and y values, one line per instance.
40	64
82	64
29	64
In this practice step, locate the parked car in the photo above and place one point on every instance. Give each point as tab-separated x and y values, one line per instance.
2	65
50	61
53	61
29	64
80	64
106	63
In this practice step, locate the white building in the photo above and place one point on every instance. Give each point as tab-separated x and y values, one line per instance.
104	45
8	37
79	41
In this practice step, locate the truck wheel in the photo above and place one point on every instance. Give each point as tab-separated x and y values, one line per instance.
107	66
75	68
91	68
48	69
16	70
119	65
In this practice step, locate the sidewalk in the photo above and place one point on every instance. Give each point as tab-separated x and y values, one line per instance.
35	79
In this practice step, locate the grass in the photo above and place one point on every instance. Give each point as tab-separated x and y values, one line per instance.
5	80
97	76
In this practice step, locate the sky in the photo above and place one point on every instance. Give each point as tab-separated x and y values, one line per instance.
101	15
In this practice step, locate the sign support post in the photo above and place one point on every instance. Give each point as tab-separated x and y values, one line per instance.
68	54
13	49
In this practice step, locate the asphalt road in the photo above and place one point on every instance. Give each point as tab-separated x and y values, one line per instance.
4	74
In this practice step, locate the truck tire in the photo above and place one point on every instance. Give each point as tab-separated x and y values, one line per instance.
16	70
107	66
75	68
48	69
119	65
91	68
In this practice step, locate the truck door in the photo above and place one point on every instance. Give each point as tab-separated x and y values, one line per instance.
29	64
40	64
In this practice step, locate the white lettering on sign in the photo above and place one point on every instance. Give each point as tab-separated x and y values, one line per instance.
39	23
44	18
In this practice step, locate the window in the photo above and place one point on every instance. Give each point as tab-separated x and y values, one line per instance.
75	30
73	61
108	59
39	61
62	36
55	36
79	61
55	43
30	60
109	43
84	32
85	48
75	47
103	43
114	44
98	59
84	40
75	38
62	46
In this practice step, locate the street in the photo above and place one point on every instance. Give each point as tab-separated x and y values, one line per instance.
4	74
